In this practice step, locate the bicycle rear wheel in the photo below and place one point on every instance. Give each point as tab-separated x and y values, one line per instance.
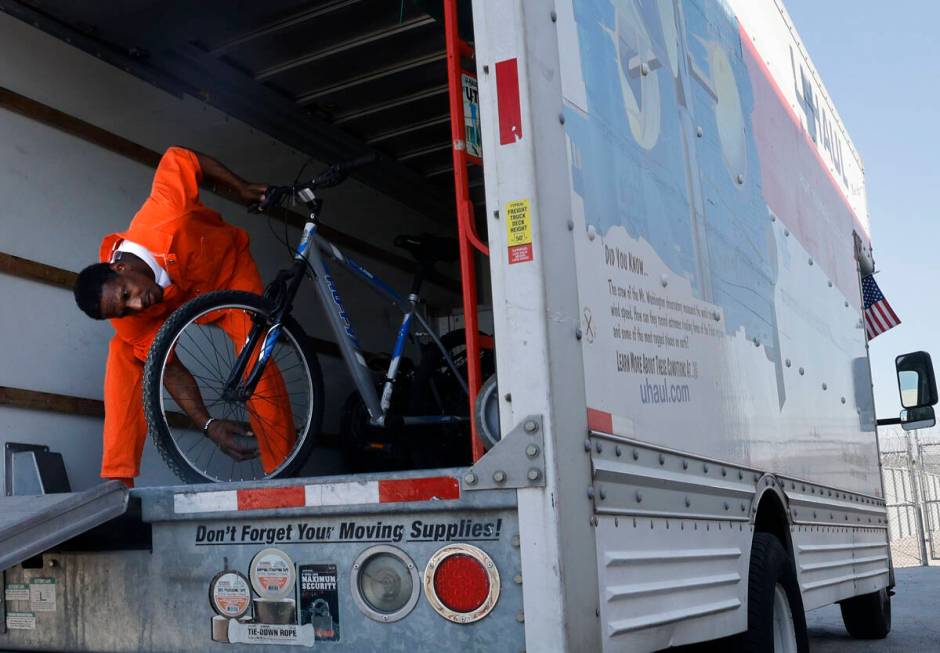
284	412
437	391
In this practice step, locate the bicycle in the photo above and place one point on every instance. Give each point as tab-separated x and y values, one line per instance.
275	369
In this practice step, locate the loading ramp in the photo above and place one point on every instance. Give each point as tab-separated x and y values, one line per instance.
31	525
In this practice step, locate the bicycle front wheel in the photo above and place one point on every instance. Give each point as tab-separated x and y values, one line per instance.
283	414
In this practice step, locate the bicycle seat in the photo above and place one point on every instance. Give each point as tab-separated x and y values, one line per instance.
428	249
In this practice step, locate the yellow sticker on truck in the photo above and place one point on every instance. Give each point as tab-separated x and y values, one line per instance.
519	231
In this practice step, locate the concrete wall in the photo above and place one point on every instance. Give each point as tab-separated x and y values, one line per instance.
60	195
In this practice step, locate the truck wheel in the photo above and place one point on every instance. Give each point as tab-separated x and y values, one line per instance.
775	618
868	616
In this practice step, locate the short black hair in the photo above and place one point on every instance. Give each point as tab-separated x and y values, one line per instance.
88	288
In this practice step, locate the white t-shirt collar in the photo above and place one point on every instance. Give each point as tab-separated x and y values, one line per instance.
141	252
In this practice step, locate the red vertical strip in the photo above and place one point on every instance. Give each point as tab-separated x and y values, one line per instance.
419	489
283	497
507	99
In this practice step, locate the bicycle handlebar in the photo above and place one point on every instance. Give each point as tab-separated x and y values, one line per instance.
332	176
347	166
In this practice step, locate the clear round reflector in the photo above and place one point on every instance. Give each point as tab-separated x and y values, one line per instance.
385	583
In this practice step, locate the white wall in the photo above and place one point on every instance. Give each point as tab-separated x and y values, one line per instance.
62	194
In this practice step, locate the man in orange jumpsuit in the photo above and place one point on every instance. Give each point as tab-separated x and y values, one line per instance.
175	249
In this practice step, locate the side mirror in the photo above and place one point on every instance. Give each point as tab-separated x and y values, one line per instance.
921	417
916	381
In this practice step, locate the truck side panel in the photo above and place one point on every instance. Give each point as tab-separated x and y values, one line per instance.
717	313
716	259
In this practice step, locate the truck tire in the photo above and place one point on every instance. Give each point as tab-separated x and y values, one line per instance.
775	618
868	616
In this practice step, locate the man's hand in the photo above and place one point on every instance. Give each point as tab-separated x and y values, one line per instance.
235	439
252	193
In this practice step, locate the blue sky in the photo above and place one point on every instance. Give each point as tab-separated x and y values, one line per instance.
880	62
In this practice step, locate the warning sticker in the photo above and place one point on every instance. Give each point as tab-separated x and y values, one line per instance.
519	231
42	595
21	621
17	592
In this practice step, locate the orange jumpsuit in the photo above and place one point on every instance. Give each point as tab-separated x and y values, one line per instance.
200	253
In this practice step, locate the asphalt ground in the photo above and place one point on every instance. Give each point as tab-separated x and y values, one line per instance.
915	619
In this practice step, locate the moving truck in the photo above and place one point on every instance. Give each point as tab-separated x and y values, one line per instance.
676	224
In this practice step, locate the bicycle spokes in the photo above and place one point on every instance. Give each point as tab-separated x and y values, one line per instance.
254	379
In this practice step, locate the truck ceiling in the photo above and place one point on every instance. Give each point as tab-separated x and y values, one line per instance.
331	78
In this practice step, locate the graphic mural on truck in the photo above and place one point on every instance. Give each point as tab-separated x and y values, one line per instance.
718	257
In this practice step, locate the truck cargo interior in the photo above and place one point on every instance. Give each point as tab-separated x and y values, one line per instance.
277	91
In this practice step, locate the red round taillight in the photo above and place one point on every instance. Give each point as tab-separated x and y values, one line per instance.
461	583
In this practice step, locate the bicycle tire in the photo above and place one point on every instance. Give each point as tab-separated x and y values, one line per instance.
167	336
433	364
486	413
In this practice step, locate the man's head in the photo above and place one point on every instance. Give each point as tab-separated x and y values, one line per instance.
113	290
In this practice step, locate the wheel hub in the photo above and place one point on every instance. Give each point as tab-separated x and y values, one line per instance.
784	629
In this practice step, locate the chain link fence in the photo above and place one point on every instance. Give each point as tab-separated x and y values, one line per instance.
898	469
910	465
928	460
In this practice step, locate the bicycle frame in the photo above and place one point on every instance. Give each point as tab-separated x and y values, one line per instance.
312	252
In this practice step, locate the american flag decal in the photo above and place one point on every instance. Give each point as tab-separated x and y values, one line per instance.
879	316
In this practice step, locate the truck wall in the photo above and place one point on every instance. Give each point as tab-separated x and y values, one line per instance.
62	194
774	36
715	235
658	217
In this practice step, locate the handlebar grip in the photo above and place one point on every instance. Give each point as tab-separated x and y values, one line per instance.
337	173
345	167
272	197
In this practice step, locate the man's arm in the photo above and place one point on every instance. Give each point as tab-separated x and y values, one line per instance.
214	172
185	392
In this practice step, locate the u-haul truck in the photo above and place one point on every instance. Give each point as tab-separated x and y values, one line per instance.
677	226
